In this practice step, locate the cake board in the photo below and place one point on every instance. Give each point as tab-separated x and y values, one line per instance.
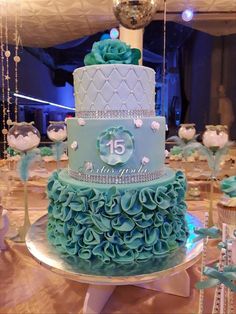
165	273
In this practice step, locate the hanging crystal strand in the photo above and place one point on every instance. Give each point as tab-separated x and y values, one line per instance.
16	61
203	264
230	294
219	298
4	112
224	290
7	77
219	304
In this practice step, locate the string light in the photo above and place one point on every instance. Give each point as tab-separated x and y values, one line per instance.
43	101
4	129
7	76
5	71
203	264
16	61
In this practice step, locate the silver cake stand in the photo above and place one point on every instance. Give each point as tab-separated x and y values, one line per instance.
167	273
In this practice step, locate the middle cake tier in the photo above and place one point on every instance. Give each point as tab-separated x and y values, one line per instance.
116	150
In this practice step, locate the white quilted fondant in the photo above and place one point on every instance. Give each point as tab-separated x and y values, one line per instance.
114	87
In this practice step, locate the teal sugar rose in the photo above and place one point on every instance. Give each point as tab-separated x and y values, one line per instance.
112	51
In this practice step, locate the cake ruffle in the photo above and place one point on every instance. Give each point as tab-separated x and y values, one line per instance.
121	225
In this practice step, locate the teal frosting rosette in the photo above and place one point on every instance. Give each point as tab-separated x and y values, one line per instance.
115	146
228	186
112	51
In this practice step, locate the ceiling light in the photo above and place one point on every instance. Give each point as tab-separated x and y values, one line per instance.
187	15
114	33
43	101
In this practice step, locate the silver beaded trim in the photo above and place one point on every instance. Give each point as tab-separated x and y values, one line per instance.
116	179
108	114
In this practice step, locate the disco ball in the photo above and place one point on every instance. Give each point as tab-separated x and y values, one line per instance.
134	14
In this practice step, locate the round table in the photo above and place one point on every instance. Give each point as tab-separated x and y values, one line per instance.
165	273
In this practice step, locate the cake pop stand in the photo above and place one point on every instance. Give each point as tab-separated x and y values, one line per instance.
165	273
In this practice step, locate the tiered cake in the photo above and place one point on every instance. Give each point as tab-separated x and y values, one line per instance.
117	201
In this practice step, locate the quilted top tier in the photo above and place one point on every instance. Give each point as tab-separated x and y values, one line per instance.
114	87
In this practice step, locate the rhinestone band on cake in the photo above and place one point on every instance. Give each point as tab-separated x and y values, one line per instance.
124	179
107	114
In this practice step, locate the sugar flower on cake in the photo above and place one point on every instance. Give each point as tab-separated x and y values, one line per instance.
81	122
145	160
138	123
74	145
88	165
112	51
155	126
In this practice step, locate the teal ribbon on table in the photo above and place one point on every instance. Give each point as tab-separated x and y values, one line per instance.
212	233
216	277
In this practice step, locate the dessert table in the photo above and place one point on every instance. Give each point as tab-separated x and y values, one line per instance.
165	273
27	287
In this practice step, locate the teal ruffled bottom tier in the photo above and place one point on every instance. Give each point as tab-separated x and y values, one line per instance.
122	223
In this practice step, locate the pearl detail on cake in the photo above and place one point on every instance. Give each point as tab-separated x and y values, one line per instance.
155	126
81	122
88	165
138	123
145	160
116	179
74	145
99	114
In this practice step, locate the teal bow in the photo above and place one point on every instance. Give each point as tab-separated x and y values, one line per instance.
216	277
212	233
